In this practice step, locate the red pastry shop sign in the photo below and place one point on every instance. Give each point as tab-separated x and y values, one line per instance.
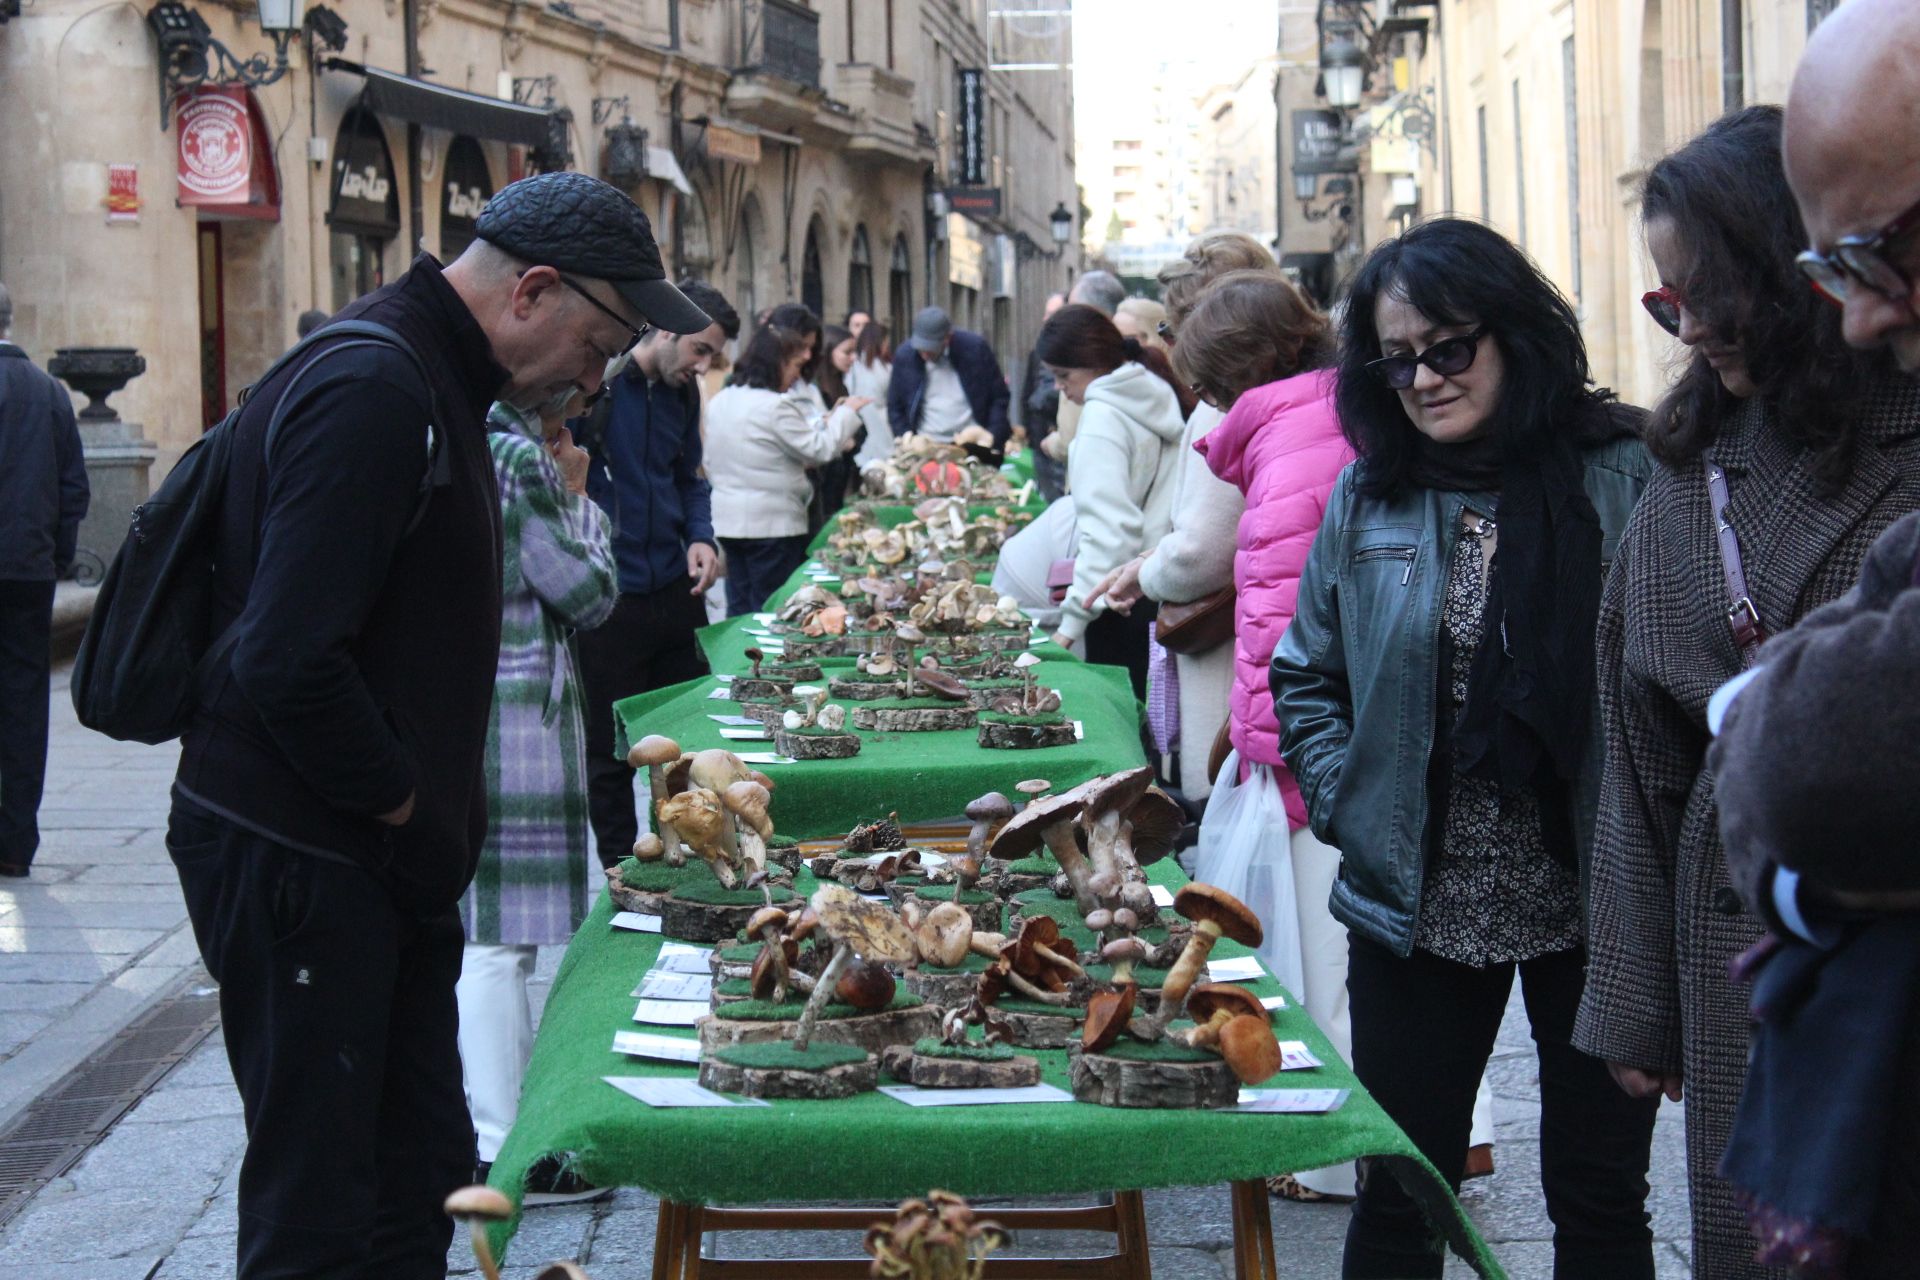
226	164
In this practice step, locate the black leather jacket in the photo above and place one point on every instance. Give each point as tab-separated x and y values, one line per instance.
1356	681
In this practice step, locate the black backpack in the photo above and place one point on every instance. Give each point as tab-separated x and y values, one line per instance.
134	677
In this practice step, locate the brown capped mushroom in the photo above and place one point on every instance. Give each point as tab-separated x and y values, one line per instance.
865	985
1215	914
1108	800
1032	789
1249	1046
756	657
1107	1015
699	820
1213	1005
747	801
1050	822
944	936
986	814
716	769
477	1206
855	925
1154	826
649	847
941	685
561	1271
654	753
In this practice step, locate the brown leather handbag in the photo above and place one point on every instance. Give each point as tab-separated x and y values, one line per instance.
1197	627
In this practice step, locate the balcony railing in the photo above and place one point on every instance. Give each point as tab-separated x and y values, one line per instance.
781	37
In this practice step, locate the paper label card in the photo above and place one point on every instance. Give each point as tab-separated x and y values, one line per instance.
764	618
917	1097
657	1091
679	957
671	1013
724	679
1079	731
720	694
758	631
766	757
743	734
696	987
735	722
1162	896
651	1044
1273	1002
636	922
1238	969
1290	1101
1295	1056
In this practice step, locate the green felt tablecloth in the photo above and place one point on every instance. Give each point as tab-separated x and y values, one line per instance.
922	776
873	1148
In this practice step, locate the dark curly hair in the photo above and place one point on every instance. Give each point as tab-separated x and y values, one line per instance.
1726	195
1458	272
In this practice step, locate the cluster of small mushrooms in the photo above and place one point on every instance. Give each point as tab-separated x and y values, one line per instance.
938	1238
707	803
922	467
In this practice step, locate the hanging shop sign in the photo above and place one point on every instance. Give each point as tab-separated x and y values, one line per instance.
975	202
225	167
1320	143
973	126
724	143
966	253
465	190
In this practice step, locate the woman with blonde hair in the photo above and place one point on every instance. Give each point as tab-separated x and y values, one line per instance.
1141	319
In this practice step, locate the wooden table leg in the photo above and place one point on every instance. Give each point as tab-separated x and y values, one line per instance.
666	1241
1253	1257
1130	1235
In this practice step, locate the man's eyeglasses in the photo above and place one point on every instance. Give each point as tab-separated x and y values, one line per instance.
1447	357
633	334
1664	304
1862	260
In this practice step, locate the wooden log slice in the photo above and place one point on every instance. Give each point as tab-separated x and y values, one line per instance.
1004	641
644	902
842	1081
761	689
1001	736
1128	1082
816	746
799	646
856	690
934	1072
767	713
914	719
1044	1030
945	988
870	1031
692	921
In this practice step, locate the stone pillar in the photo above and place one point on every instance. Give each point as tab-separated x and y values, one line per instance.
118	453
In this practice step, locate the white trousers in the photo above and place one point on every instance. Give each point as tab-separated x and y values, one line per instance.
496	1036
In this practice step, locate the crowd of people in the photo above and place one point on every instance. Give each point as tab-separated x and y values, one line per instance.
1467	669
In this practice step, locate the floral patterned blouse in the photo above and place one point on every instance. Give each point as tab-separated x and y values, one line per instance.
1493	893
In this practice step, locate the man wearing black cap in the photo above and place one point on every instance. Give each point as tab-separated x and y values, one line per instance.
329	804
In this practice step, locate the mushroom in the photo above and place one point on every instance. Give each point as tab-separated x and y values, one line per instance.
1107	1015
1250	1048
1123	953
833	718
654	753
1032	789
942	685
649	847
865	985
986	813
855	925
1215	1004
747	801
1042	961
477	1206
700	821
1215	914
944	936
756	657
1025	664
766	924
1108	800
1154	826
1050	821
716	769
912	636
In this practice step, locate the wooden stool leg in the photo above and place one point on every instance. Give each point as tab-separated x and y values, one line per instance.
1130	1212
1253	1257
666	1241
691	1226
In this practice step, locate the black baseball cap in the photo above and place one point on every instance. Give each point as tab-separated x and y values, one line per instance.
583	226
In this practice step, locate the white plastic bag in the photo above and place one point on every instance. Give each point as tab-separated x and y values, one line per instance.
1246	849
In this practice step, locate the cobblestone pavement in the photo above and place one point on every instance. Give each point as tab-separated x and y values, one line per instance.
99	932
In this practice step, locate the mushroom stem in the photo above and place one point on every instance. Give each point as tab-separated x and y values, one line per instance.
1066	851
987	944
1059	960
1032	992
1180	978
822	989
657	787
482	1251
798	979
1101	838
1206	1034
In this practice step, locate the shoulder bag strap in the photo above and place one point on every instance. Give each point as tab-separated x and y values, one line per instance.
1749	633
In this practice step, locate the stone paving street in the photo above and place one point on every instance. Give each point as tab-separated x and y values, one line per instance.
99	933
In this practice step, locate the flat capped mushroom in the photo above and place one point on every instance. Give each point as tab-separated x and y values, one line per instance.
855	925
1049	821
716	769
1155	824
941	685
944	936
1032	789
1107	1015
986	813
477	1206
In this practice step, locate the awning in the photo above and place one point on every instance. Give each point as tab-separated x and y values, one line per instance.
662	165
456	110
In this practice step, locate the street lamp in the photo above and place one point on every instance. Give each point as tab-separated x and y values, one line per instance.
191	56
1343	73
1060	222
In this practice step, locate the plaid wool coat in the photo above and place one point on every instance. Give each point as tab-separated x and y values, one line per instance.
1662	924
557	576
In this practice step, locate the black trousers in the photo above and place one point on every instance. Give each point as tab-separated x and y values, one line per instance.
26	645
1120	639
646	644
757	566
342	1032
1423	1029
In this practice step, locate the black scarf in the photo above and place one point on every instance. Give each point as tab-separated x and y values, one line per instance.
1530	687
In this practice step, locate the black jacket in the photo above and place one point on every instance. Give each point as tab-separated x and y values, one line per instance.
362	663
980	378
43	479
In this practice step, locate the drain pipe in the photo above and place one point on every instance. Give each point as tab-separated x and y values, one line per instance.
416	218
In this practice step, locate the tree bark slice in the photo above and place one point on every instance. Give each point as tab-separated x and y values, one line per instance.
855	690
644	902
767	713
930	1072
761	689
708	922
914	719
1044	1030
870	1031
816	746
1127	1082
1025	737
843	1081
945	988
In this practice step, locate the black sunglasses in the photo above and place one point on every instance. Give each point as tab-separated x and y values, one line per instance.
1861	259
633	334
1446	357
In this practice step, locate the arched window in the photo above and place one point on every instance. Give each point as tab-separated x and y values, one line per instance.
696	248
364	213
900	289
813	285
860	273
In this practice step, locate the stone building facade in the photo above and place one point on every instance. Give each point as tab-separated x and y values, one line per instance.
783	151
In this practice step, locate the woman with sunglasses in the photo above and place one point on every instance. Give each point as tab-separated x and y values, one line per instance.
1812	450
1435	701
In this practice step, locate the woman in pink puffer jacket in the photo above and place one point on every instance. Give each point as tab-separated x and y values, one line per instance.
1254	347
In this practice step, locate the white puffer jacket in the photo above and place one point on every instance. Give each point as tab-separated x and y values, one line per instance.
1121	468
759	445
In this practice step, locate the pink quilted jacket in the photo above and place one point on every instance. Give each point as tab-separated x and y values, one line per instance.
1281	445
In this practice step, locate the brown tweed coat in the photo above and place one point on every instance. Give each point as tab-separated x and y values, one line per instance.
1660	933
